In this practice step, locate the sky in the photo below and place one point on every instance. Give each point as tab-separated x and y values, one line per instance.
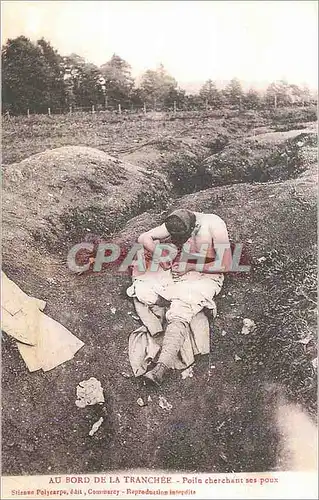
256	41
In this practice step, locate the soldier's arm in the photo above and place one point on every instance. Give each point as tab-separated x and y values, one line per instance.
151	238
221	244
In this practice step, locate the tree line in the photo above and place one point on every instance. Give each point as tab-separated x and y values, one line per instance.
36	77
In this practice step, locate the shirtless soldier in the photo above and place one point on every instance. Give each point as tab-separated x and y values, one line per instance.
206	255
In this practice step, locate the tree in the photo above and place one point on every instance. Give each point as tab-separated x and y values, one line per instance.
234	93
306	95
159	88
210	94
31	76
89	91
278	94
82	80
176	96
55	87
149	86
299	95
193	102
252	99
118	81
137	97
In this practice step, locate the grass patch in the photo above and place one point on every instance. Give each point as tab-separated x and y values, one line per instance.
289	325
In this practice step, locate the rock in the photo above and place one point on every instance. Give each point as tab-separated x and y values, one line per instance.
249	326
140	402
96	426
261	259
89	392
188	373
163	403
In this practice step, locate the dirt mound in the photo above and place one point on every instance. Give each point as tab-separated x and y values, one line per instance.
219	161
257	160
277	137
244	207
158	153
60	194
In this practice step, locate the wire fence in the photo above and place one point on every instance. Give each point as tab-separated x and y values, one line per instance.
132	109
97	108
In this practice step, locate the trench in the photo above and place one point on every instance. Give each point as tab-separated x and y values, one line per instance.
224	163
225	422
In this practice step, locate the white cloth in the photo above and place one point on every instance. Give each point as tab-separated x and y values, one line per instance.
188	296
194	289
42	342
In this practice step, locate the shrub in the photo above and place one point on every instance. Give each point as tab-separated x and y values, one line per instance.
187	173
289	116
217	144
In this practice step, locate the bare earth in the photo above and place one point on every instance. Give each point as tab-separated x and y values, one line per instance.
229	416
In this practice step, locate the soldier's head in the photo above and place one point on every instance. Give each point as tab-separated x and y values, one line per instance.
180	225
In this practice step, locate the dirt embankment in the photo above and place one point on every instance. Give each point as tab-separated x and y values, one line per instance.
57	196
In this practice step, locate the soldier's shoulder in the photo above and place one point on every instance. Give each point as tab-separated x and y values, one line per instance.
209	218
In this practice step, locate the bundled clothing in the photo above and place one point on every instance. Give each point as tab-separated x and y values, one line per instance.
174	306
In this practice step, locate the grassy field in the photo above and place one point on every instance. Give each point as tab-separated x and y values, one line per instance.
258	172
117	134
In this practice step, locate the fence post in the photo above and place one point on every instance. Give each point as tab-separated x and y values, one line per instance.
70	109
28	113
49	111
93	110
105	102
120	110
275	101
175	107
144	108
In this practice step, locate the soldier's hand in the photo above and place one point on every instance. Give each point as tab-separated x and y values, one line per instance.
178	270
